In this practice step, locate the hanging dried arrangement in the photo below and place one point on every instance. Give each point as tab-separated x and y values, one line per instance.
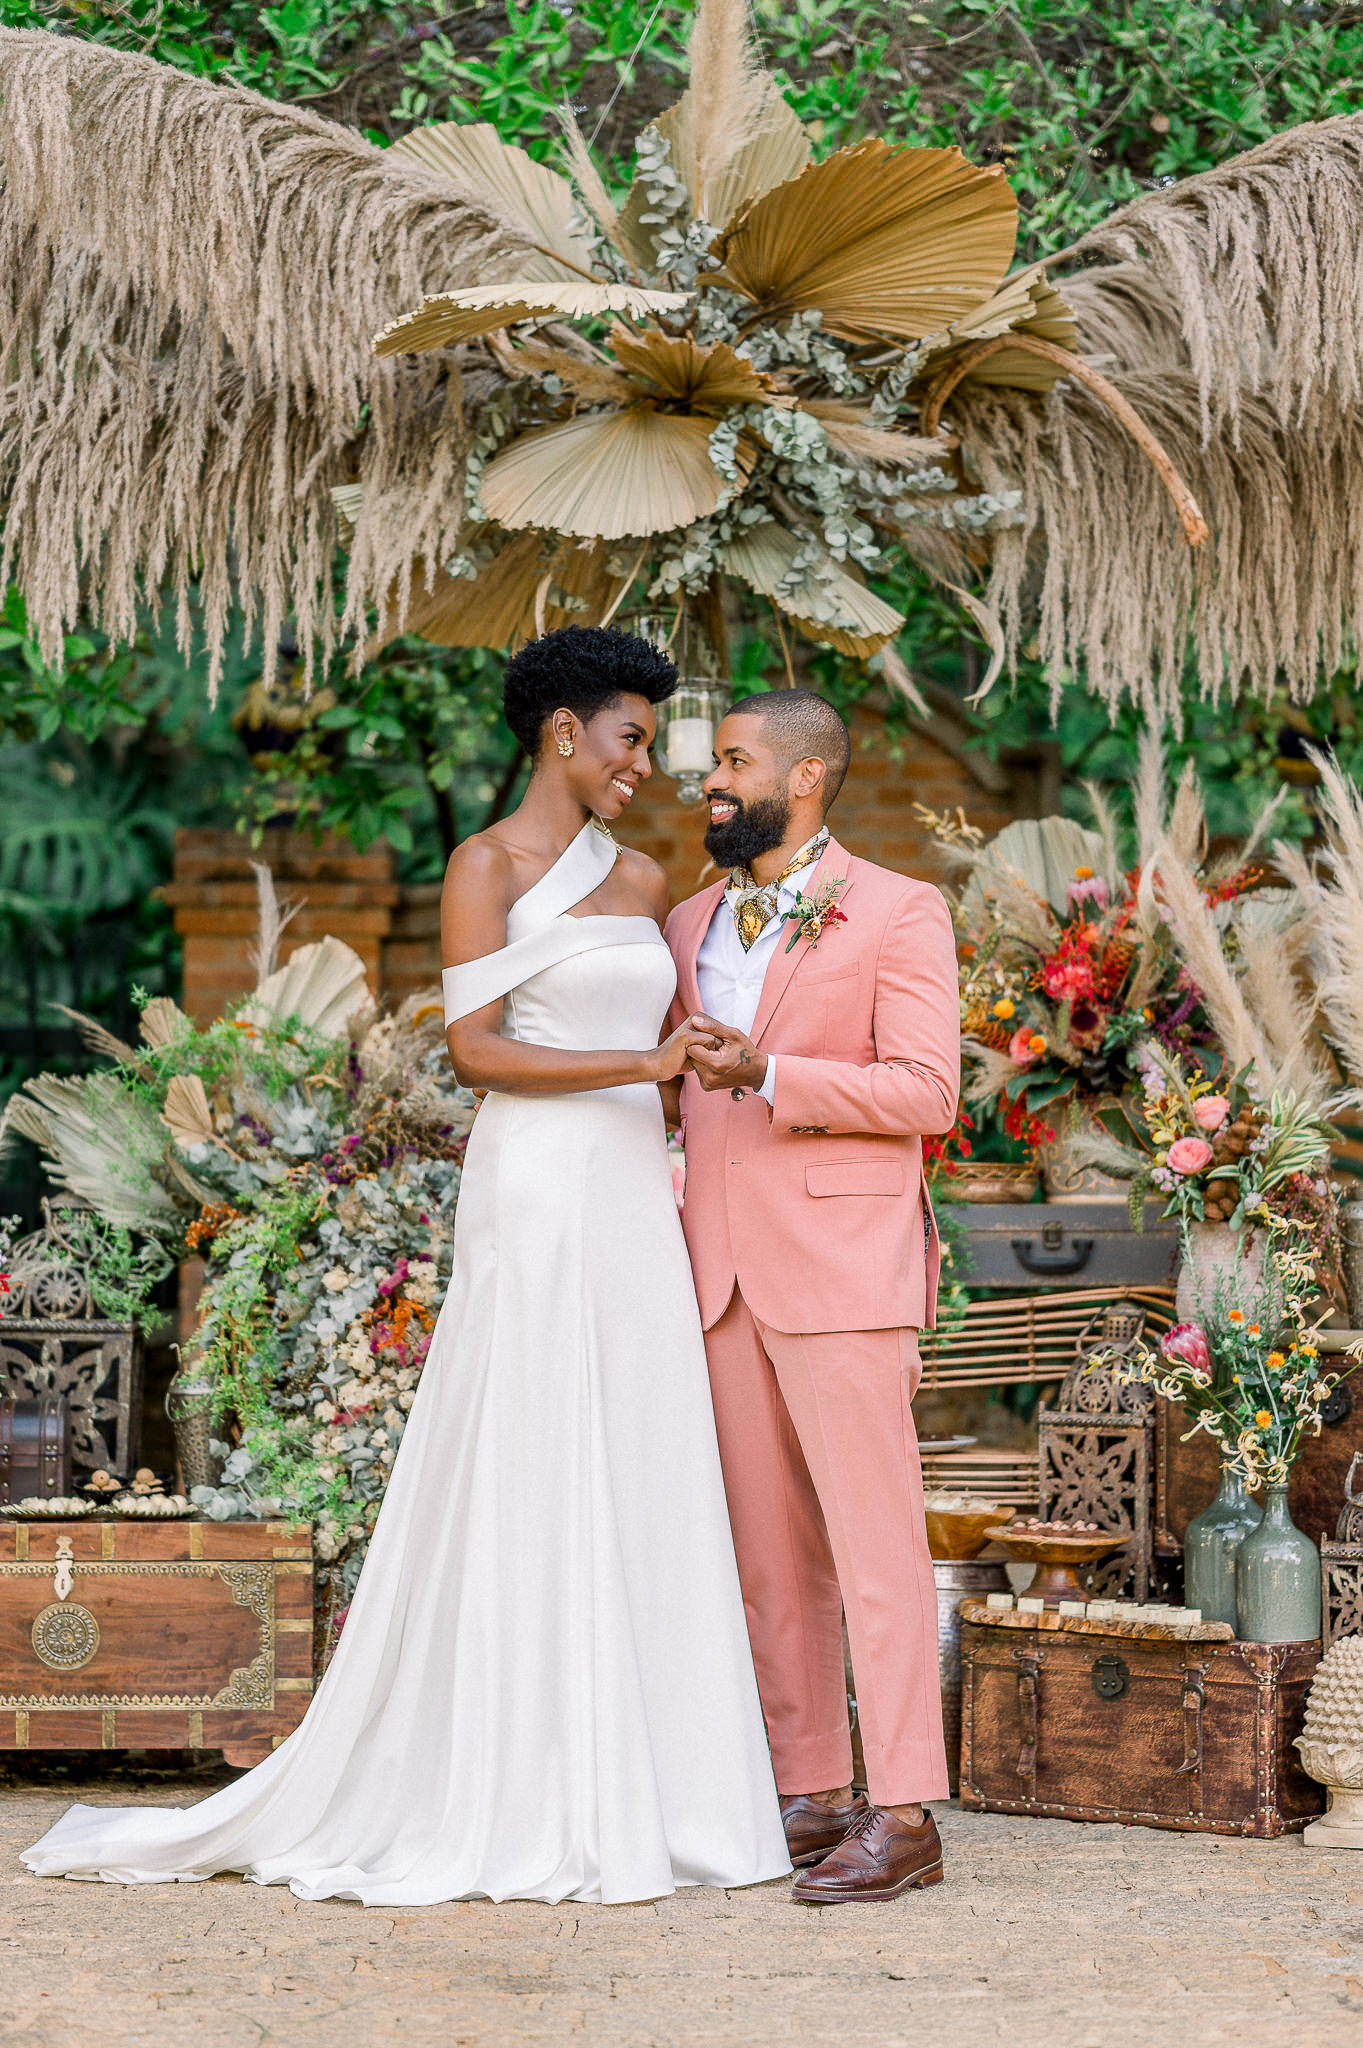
749	367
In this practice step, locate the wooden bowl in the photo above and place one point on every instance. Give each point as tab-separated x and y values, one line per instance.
960	1533
1056	1558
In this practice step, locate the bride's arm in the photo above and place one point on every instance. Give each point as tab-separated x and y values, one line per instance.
473	909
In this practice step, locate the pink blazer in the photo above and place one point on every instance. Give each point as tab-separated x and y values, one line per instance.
816	1207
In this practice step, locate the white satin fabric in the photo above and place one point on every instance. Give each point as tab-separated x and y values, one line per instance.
544	1688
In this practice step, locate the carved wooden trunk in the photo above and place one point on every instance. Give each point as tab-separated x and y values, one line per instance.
34	1460
116	1634
1152	1730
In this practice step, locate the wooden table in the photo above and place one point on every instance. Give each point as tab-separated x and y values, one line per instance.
117	1634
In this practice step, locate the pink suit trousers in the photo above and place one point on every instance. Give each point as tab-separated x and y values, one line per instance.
815	1258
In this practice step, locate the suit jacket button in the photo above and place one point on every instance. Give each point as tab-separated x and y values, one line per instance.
737	1093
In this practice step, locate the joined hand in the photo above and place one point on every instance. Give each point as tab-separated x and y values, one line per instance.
731	1061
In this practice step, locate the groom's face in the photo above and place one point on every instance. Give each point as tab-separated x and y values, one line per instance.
748	793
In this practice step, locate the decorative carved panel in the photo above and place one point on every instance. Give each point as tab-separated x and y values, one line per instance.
1101	1471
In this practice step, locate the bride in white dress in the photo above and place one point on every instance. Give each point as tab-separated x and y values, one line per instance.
543	1689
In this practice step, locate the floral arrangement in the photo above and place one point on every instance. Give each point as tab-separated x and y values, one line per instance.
1249	1373
1229	1158
309	1151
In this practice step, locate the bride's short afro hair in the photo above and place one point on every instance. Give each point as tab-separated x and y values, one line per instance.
580	669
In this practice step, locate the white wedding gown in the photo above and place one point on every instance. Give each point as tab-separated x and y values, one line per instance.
543	1689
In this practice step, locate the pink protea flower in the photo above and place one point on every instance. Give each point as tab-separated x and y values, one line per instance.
1188	1155
1211	1111
1186	1344
1087	888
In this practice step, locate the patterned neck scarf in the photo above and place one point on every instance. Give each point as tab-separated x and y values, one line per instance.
755	907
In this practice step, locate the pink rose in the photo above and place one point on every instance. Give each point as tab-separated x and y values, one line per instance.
1020	1047
1188	1155
1211	1111
1186	1343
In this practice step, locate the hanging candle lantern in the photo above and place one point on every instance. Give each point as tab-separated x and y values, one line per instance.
689	719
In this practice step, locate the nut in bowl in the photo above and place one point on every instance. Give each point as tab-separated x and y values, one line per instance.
958	1527
1056	1549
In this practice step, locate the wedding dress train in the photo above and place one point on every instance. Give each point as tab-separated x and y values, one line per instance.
543	1689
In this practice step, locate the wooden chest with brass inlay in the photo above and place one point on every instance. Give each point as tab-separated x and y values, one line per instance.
117	1634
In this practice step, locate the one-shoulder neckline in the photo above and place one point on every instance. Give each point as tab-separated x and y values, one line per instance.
599	839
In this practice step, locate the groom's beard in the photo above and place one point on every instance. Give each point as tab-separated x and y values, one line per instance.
753	830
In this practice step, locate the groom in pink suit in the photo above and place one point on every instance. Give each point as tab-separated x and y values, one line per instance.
831	987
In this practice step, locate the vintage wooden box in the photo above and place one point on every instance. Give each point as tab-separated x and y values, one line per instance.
119	1634
1133	1724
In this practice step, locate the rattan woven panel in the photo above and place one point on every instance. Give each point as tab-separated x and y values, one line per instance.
1010	1478
1027	1337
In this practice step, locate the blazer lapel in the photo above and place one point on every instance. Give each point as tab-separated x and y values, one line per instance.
836	862
704	910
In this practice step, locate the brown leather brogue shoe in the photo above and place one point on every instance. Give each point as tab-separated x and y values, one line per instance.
812	1828
880	1857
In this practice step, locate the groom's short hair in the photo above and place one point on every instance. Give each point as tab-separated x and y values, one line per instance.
798	725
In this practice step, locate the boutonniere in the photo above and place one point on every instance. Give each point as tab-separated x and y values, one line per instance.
811	915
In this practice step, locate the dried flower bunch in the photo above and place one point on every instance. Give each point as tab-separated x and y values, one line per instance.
752	365
309	1151
1249	1373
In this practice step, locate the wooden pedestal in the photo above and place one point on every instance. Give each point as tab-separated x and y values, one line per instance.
117	1634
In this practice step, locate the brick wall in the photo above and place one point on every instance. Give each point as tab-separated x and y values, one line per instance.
397	932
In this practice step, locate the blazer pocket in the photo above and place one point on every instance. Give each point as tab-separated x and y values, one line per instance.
812	977
855	1177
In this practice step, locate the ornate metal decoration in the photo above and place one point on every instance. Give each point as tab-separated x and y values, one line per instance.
1096	1449
1349	1528
52	1341
1117	1328
64	1637
250	1685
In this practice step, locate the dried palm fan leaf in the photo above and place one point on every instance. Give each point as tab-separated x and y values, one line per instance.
882	241
518	576
186	1113
825	599
606	475
849	430
1038	310
189	276
444	318
1043	854
707	377
474	154
596	382
100	1142
320	986
162	1021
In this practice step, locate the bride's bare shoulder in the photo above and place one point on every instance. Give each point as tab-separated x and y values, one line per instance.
481	861
646	881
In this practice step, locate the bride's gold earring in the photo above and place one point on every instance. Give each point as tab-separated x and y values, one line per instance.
565	747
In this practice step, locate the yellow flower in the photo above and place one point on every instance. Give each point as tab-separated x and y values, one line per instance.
1003	1008
1262	1419
1310	1351
1276	1361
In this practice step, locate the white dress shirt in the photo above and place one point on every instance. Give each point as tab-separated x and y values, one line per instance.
728	980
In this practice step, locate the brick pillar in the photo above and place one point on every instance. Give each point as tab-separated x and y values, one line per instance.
344	894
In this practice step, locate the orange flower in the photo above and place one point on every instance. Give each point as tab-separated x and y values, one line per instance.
1083	874
1036	1043
1262	1419
1254	1330
1276	1361
1235	1316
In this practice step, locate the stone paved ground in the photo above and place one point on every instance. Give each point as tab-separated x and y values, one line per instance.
1046	1933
